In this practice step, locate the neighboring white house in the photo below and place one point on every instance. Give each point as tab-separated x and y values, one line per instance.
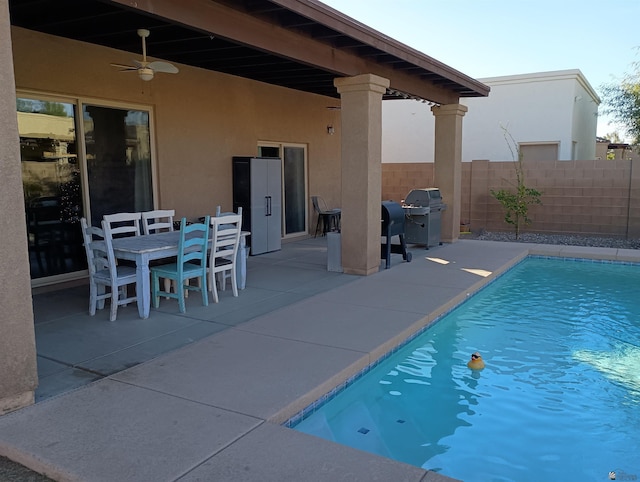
551	115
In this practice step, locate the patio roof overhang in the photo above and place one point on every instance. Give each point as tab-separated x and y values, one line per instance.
298	44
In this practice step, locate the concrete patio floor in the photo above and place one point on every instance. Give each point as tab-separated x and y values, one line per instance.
202	395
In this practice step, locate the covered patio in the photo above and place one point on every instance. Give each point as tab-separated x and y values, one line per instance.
258	73
75	349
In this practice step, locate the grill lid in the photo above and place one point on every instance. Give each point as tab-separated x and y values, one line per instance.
423	197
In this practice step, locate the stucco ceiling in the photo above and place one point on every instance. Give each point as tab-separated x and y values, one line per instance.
301	45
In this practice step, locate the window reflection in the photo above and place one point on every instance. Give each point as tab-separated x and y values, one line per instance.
118	160
51	184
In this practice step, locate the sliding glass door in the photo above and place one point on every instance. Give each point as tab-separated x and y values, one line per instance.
294	185
118	153
52	186
71	169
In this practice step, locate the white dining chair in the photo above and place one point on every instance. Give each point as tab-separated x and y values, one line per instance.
225	275
103	271
219	212
225	239
157	221
123	224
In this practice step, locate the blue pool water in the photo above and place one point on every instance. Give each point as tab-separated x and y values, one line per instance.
559	399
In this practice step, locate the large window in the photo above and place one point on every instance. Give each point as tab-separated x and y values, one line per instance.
63	182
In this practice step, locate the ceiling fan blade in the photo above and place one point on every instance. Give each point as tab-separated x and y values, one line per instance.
140	64
125	68
166	67
145	68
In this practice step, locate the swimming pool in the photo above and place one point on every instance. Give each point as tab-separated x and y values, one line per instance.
559	398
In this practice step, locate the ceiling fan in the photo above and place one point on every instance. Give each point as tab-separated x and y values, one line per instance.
146	70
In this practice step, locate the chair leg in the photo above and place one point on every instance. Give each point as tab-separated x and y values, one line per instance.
326	223
115	297
101	290
167	287
204	290
234	281
155	287
213	288
222	276
122	293
93	299
181	296
335	222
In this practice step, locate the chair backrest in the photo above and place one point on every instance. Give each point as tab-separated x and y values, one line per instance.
316	206
123	223
111	257
227	213
99	251
194	243
225	237
158	220
44	209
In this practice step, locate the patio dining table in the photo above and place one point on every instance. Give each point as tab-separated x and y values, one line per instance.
145	248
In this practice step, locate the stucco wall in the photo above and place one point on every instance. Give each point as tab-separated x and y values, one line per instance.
558	107
585	118
201	118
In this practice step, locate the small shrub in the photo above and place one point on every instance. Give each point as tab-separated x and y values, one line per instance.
516	202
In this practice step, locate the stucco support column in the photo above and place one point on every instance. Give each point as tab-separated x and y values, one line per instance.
361	121
633	227
448	165
18	374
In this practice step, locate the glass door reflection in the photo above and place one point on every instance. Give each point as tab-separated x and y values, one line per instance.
51	184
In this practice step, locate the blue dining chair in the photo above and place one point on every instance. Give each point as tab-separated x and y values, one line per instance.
191	263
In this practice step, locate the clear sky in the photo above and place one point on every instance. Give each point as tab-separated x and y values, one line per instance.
491	38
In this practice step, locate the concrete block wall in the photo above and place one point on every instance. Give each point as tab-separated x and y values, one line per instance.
595	197
400	178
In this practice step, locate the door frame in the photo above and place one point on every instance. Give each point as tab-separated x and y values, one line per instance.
78	102
305	149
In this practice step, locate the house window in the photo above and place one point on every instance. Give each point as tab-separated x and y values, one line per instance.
64	179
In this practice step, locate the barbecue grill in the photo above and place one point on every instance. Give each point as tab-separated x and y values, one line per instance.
393	224
422	208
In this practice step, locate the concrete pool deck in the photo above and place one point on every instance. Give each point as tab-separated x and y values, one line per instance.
213	409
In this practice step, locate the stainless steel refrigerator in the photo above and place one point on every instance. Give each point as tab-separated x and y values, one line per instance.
257	188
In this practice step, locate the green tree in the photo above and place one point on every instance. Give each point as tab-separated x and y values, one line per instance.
53	108
516	202
622	102
41	107
24	105
613	137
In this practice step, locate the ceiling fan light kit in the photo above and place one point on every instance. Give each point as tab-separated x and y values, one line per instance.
146	70
145	73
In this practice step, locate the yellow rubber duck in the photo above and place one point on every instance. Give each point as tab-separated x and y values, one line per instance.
476	362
